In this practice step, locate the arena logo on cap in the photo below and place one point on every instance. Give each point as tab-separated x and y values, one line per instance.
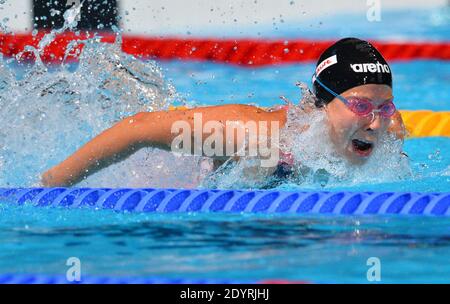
370	67
325	64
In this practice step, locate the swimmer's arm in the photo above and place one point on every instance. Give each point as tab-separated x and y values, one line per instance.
169	127
153	129
109	146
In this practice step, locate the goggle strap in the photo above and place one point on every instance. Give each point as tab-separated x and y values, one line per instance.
315	78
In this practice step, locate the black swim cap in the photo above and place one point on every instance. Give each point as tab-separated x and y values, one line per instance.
349	63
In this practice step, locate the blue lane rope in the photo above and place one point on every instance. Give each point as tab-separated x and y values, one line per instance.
263	201
48	279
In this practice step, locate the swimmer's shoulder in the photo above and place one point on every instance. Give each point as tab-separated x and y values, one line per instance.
247	112
230	112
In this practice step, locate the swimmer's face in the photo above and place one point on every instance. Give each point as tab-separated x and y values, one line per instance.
355	137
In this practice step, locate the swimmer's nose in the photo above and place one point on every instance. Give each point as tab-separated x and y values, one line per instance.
375	123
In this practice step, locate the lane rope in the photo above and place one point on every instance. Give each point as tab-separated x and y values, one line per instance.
150	200
425	123
56	279
246	52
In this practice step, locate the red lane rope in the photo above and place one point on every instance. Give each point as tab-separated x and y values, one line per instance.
250	52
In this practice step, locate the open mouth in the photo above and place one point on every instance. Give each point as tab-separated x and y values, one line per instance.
361	147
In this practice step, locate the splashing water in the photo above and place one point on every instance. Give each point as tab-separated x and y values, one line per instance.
48	112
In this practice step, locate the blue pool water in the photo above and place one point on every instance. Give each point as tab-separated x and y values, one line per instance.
47	114
223	246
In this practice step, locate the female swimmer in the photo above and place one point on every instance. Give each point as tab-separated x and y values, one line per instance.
352	84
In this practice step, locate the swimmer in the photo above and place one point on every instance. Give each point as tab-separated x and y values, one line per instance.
352	84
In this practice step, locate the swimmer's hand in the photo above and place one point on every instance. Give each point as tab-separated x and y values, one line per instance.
55	177
47	179
397	127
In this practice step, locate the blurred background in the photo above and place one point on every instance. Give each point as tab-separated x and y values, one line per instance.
325	19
